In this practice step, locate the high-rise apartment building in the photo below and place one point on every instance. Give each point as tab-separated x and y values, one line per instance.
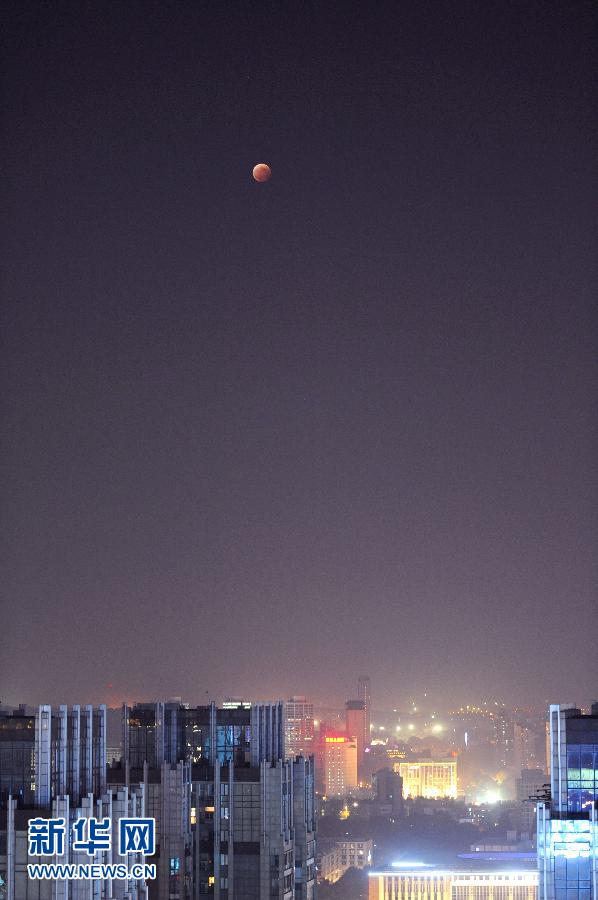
53	765
299	726
47	753
429	778
567	826
240	823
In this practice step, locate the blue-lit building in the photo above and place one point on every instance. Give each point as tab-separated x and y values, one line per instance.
568	822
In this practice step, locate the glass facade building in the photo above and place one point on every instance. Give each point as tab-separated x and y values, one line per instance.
568	823
567	857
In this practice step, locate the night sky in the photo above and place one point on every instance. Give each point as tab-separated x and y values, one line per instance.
261	438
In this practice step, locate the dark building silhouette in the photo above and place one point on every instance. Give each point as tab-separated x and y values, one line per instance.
388	788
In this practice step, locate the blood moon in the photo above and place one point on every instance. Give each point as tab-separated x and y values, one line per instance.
262	172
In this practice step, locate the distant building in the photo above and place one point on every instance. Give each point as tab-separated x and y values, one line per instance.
429	883
338	756
471	726
339	856
529	784
113	754
299	726
364	692
355	726
329	866
524	748
388	788
428	778
567	825
503	739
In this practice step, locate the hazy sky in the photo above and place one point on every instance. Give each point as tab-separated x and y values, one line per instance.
261	438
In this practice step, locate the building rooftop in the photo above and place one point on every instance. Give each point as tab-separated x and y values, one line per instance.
527	873
483	863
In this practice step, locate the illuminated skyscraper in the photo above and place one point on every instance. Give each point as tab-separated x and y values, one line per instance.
568	823
338	755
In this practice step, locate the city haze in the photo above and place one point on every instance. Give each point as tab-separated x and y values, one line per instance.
262	437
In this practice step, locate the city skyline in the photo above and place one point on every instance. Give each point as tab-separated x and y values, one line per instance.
424	715
234	813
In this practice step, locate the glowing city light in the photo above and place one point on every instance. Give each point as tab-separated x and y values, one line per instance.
401	864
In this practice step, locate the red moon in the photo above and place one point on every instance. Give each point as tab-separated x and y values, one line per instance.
261	172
